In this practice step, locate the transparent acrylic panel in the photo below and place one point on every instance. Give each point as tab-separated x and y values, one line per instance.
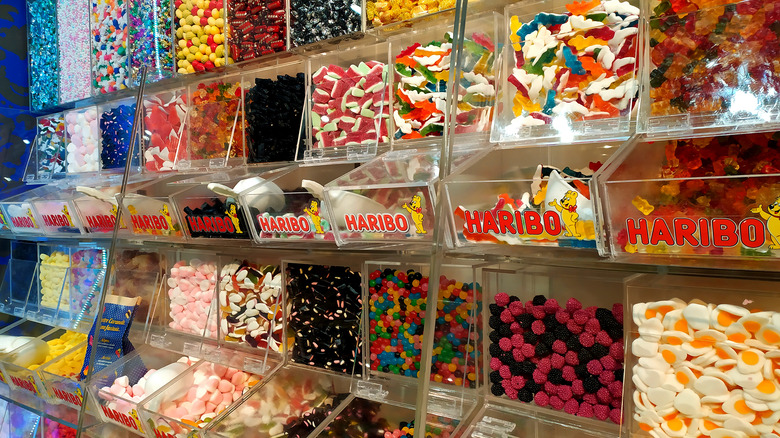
50	146
164	139
186	407
216	124
61	377
24	344
537	196
150	39
82	139
500	419
42	54
18	422
149	210
569	320
118	389
101	430
350	101
396	298
705	198
256	28
251	313
98	205
421	78
190	23
19	278
108	25
276	111
707	67
689	335
53	429
58	216
292	402
116	122
291	205
323	307
86	277
560	94
380	14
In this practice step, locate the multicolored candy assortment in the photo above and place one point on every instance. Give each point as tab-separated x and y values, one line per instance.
200	35
74	52
53	429
150	39
350	107
397	302
382	12
116	126
569	358
51	145
164	141
250	304
215	121
86	276
575	66
705	369
713	57
422	73
323	317
109	45
257	28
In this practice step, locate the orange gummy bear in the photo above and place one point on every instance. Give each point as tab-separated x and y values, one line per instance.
580	8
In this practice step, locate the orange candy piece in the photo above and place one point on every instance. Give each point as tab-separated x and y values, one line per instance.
580	8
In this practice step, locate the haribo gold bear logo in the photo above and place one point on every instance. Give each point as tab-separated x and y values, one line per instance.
167	215
232	213
32	219
567	207
415	210
67	215
772	218
314	214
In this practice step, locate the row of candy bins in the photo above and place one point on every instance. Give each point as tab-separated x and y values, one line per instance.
554	344
540	196
290	205
703	356
211	205
687	198
713	71
396	297
98	137
390	198
42	49
150	40
569	71
74	50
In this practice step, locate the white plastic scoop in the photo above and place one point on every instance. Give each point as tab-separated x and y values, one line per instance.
97	194
260	193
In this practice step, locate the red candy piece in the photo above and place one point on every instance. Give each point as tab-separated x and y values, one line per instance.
502	299
571	407
541	399
585	410
556	403
573	304
537	327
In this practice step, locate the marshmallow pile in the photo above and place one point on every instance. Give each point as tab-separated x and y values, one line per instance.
191	292
83	149
53	273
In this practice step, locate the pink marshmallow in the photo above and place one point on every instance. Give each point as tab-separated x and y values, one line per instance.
226	387
138	390
117	390
239	378
198	408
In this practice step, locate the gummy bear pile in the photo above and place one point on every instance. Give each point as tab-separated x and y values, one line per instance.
215	121
713	57
422	73
150	38
697	180
200	35
569	358
109	45
164	141
574	66
705	368
324	307
382	12
397	302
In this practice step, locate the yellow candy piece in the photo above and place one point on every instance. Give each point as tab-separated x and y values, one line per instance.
522	103
581	43
642	205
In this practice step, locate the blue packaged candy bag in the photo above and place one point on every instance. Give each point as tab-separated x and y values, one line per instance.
113	342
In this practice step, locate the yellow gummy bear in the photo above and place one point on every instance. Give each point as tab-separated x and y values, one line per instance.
642	205
581	43
522	103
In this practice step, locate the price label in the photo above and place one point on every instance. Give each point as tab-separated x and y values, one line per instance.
191	349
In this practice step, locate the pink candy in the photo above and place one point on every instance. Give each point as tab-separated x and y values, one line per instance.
191	292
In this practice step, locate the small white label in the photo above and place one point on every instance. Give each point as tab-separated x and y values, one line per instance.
254	366
191	349
217	163
157	341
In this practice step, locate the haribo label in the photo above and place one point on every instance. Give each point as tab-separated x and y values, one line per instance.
716	232
101	223
162	434
24	221
160	222
389	222
285	224
74	398
25	383
130	420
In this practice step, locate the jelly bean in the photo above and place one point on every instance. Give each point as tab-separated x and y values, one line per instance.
318	20
382	12
350	107
74	51
215	121
273	113
109	45
44	74
256	28
200	36
150	39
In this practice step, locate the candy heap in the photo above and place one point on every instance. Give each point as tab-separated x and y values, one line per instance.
318	20
273	118
324	316
690	191
250	304
59	346
350	107
569	358
74	53
69	366
215	119
200	35
422	73
53	277
51	145
86	276
191	292
381	12
116	126
256	28
712	57
360	418
109	45
42	49
53	429
579	65
150	39
397	302
163	142
705	369
136	273
83	147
